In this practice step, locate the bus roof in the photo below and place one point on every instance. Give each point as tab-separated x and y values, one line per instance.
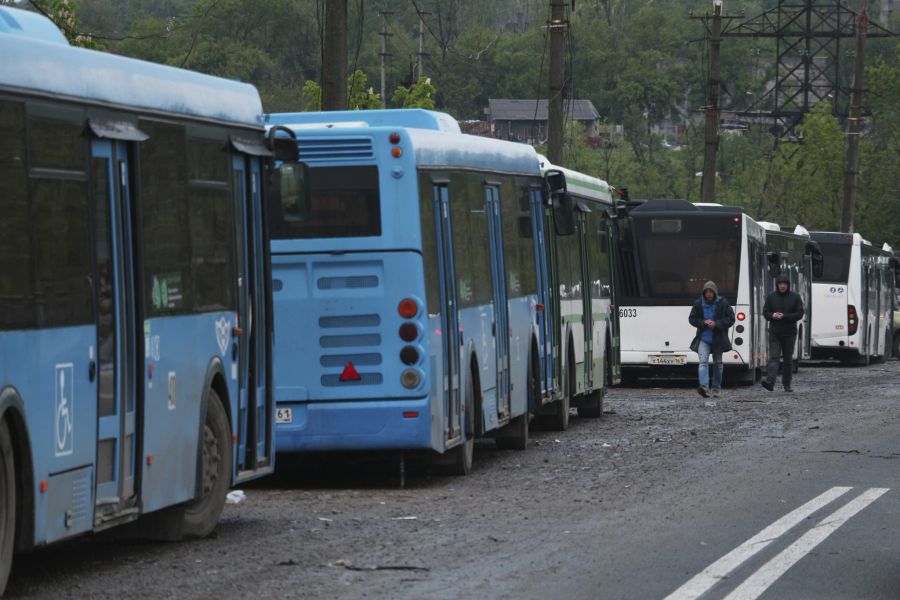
674	205
579	183
36	59
438	149
413	118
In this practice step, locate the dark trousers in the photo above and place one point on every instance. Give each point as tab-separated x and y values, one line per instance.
781	347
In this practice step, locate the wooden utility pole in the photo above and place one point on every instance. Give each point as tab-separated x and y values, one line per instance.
711	129
334	56
420	56
851	169
558	27
384	53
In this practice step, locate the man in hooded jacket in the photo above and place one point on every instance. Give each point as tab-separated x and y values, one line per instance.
783	308
712	315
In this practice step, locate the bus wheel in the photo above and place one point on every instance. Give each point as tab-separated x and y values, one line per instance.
201	515
594	407
463	454
897	344
7	504
558	420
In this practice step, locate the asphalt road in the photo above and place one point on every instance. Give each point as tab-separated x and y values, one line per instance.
752	495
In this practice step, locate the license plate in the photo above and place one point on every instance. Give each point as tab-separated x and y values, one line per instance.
666	359
284	415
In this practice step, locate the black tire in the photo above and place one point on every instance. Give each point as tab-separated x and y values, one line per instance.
7	504
559	420
202	514
463	455
897	344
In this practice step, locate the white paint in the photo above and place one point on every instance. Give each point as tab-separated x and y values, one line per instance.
711	575
759	582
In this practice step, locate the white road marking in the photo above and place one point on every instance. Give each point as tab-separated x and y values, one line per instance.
759	582
711	575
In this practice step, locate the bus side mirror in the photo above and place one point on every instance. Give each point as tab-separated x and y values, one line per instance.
563	214
555	182
284	147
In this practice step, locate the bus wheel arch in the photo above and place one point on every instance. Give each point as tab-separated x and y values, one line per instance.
7	503
12	411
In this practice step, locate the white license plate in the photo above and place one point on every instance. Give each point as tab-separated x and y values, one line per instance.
284	415
666	359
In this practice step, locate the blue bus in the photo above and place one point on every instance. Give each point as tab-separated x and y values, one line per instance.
412	289
135	322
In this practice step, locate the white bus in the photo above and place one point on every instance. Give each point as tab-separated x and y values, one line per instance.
676	247
853	298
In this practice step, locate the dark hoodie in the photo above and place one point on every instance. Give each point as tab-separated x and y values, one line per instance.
788	303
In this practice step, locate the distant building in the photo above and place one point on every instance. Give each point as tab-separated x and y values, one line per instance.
526	120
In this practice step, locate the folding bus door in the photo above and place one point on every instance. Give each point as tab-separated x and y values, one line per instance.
114	363
449	316
250	336
500	326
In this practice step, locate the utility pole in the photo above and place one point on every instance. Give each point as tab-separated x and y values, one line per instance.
421	54
334	58
558	27
711	129
851	169
384	53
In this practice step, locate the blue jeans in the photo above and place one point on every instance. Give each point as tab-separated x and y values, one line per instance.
703	371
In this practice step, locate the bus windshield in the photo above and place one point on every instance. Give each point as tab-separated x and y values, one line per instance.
836	267
677	256
343	202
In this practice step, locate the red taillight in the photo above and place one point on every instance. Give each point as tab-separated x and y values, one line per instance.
394	138
741	316
737	219
409	332
408	308
410	414
852	321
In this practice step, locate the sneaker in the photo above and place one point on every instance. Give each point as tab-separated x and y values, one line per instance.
716	392
767	385
788	389
703	391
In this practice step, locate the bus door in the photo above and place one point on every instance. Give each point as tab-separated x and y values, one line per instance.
113	364
613	352
544	308
250	349
581	213
449	316
500	326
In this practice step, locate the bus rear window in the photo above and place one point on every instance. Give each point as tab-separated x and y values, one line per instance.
836	263
342	202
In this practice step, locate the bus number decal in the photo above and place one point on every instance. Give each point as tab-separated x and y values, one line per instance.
627	312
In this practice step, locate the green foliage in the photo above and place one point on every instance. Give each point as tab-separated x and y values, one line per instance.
419	95
361	96
311	96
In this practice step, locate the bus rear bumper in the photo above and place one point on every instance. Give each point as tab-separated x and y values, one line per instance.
359	425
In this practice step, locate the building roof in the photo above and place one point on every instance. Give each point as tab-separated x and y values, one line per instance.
524	110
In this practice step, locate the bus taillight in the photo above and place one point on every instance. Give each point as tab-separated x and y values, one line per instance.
741	316
408	308
852	320
409	332
394	138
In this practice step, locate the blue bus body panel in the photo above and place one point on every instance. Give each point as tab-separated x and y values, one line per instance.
48	66
414	118
49	369
181	350
30	25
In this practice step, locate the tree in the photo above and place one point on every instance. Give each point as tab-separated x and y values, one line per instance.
419	95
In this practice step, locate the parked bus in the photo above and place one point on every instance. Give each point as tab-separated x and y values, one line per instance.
412	289
676	247
583	328
853	299
134	321
795	255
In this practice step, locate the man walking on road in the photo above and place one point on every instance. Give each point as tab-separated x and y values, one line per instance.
712	316
783	308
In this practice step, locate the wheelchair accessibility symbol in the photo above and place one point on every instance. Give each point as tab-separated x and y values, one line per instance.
65	442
